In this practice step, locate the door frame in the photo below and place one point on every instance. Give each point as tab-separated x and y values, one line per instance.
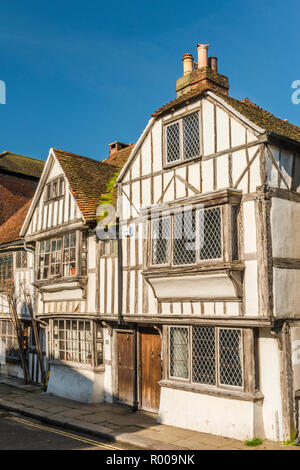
156	329
115	377
135	329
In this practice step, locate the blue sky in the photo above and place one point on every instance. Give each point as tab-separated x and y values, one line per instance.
80	75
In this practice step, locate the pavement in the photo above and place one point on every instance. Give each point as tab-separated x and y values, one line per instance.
113	422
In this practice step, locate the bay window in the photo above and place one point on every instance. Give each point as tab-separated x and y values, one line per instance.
57	256
187	237
72	341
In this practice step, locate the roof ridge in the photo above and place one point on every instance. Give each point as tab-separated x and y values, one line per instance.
75	154
6	152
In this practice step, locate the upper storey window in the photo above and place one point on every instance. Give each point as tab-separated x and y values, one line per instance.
182	139
187	237
55	189
6	267
58	258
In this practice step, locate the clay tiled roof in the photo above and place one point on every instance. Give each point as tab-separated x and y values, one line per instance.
120	157
20	164
10	230
263	118
88	179
251	111
193	94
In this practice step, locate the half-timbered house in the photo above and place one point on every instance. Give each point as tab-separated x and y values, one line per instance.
19	176
60	224
209	311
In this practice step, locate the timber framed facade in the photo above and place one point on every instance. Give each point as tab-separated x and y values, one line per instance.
192	311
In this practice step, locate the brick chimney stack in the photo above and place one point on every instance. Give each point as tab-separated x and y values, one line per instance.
203	76
116	146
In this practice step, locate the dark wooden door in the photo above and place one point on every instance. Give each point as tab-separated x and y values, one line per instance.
125	368
150	367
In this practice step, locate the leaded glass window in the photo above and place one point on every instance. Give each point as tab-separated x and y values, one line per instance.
215	355
182	138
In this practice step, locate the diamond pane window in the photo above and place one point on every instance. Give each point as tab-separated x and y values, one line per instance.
191	142
215	355
173	142
21	259
210	228
204	355
179	352
230	357
184	243
235	243
161	241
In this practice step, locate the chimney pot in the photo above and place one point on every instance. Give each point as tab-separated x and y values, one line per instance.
202	55
213	64
187	60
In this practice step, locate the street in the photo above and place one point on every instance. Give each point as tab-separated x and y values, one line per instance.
19	433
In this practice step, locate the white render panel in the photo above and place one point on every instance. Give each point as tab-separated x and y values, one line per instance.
251	137
239	163
146	152
249	227
222	172
285	223
286	280
205	413
146	192
207	176
232	308
157	147
135	199
272	171
157	184
180	187
209	308
214	286
251	295
194	176
135	167
255	179
222	130
208	127
238	133
270	385
286	167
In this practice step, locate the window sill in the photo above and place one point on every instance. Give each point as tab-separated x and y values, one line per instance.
60	280
205	266
74	365
212	391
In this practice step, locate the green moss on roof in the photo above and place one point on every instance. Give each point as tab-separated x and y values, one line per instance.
89	179
263	118
21	164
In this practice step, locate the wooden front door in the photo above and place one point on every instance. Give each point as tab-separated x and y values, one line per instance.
125	367
150	367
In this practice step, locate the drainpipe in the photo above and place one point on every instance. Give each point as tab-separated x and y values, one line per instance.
28	249
135	370
120	274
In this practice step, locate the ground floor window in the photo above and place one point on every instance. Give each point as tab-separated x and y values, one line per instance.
206	355
77	341
8	339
